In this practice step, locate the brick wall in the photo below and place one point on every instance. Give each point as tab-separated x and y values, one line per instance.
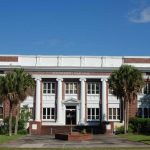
8	59
136	60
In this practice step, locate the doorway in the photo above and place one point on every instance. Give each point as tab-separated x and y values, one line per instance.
70	115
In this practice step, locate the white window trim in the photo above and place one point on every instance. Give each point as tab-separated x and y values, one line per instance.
92	115
113	115
50	114
96	83
70	89
49	89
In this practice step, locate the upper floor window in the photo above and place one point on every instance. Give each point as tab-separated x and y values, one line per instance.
93	88
48	113
93	114
49	88
1	112
114	113
110	91
147	88
71	88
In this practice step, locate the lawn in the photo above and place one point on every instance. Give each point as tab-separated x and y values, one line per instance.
136	137
6	138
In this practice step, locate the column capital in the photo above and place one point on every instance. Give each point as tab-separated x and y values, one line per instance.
82	79
37	78
104	79
59	79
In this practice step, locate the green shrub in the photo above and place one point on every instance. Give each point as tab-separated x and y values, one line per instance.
23	132
119	130
140	125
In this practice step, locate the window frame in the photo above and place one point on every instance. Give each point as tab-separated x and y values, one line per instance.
48	116
71	88
49	88
115	114
1	114
92	114
93	88
146	89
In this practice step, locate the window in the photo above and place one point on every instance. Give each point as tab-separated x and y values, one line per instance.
49	88
147	88
140	112
31	112
1	112
71	88
48	113
93	88
110	91
114	113
144	112
93	114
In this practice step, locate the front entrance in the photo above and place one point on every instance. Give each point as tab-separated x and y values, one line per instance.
70	115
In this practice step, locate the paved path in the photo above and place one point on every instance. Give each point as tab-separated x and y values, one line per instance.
46	141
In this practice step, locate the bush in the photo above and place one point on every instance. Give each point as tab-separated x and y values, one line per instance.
23	132
140	125
119	130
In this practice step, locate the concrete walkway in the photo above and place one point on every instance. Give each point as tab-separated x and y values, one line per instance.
46	141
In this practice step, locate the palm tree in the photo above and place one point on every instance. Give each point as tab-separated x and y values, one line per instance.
24	87
126	83
8	92
15	87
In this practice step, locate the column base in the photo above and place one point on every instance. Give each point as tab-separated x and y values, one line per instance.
107	127
35	127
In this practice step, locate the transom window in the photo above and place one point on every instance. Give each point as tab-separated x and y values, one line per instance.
93	88
71	88
114	113
1	112
147	88
93	114
48	113
49	88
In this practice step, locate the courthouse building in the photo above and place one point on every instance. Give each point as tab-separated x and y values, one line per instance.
74	90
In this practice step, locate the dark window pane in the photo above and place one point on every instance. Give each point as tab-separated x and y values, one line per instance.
44	111
145	112
48	111
53	111
139	112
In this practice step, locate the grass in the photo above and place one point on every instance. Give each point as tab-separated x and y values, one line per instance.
136	137
6	138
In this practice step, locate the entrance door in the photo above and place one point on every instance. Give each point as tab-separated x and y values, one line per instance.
70	115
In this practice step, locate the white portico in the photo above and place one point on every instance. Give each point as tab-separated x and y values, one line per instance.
80	96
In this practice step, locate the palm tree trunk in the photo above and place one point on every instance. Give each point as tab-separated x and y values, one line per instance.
125	117
17	118
10	119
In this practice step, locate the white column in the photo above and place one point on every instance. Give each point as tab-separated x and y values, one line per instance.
38	98
82	103
104	99
59	100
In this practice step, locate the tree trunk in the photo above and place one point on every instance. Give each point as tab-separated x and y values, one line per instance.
125	117
127	121
17	118
10	119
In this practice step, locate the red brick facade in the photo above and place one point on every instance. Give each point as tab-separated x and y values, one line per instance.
8	59
136	60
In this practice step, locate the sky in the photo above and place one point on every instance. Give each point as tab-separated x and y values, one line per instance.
75	27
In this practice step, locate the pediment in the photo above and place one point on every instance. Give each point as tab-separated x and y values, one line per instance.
71	101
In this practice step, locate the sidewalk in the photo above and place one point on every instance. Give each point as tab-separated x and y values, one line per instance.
46	141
